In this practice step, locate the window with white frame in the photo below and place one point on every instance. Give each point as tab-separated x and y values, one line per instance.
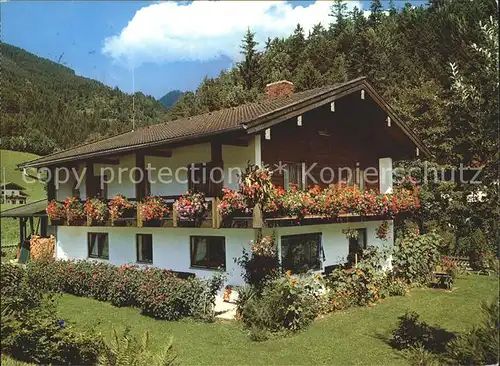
144	246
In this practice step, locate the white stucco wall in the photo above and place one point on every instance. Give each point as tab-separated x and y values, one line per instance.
335	244
171	246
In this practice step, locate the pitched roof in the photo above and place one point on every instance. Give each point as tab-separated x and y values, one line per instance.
11	185
204	125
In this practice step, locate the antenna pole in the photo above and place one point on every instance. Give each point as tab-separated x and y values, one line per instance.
133	99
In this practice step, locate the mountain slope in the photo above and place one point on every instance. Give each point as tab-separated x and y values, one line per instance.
45	106
169	99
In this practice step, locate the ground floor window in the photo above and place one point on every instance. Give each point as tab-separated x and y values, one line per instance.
144	244
357	243
98	245
208	252
301	253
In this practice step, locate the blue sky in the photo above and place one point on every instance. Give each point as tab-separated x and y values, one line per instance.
169	45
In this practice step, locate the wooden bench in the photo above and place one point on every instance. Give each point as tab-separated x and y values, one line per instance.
442	279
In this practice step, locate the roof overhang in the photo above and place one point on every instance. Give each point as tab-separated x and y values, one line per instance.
253	126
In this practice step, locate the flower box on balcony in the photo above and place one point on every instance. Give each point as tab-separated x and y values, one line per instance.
153	223
57	222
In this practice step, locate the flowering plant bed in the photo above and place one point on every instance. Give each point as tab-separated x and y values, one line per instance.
75	212
153	210
191	208
97	211
120	208
56	212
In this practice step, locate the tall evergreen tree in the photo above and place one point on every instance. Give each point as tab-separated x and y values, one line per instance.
376	12
249	68
338	11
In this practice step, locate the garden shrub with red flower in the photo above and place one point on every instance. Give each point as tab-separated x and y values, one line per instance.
120	207
232	203
97	211
153	208
74	210
261	263
191	206
56	211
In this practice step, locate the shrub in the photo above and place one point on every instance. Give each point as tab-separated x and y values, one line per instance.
477	248
262	263
127	350
479	346
411	332
415	258
163	295
396	287
123	289
11	276
286	303
31	331
362	285
419	356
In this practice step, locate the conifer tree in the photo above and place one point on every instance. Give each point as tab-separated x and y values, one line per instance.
249	68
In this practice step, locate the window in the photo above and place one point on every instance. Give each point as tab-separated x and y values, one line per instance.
208	252
301	253
98	245
356	246
293	174
144	243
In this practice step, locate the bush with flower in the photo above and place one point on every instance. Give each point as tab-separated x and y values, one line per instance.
120	207
97	211
191	206
74	210
261	263
153	208
56	211
287	303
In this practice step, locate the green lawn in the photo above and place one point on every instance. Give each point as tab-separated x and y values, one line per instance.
351	337
36	191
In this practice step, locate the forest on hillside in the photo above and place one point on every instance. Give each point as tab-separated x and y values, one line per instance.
437	65
46	107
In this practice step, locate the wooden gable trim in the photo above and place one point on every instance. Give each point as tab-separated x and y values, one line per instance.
394	118
330	97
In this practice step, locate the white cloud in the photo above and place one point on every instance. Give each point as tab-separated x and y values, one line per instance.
204	30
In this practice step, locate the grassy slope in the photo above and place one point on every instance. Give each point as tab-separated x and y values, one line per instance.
9	160
351	337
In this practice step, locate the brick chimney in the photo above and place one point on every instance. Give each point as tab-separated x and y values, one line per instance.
279	89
